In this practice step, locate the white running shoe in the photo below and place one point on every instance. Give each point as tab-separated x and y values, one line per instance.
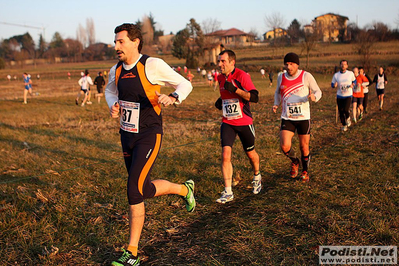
257	185
225	198
345	128
348	122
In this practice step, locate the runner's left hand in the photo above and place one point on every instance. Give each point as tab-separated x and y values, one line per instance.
164	99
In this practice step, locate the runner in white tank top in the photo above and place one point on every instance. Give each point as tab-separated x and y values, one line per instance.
294	90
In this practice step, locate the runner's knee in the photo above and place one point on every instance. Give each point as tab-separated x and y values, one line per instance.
290	153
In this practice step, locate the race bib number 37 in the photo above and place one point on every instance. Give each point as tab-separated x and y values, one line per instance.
130	113
231	109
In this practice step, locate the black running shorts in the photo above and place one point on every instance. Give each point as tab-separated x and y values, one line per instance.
302	126
245	133
140	152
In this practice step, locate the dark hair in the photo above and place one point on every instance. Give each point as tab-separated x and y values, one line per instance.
230	53
86	72
360	68
343	60
133	32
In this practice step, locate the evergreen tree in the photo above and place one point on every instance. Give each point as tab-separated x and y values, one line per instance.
294	31
189	44
42	47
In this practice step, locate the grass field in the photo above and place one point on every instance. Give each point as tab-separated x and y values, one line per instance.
62	182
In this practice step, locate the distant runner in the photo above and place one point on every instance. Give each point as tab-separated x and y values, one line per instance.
365	89
358	95
28	87
344	81
84	82
380	81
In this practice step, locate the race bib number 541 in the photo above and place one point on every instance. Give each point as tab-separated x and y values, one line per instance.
297	110
130	113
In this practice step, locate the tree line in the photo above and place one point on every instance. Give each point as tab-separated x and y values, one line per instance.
188	43
20	48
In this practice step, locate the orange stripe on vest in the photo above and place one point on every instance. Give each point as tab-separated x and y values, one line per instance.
149	88
117	74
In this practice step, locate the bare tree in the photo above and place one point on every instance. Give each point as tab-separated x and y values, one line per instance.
309	44
210	25
364	46
148	34
275	21
379	30
254	32
73	49
91	31
82	38
81	35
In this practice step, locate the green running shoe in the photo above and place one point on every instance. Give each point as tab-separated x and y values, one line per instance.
189	198
127	259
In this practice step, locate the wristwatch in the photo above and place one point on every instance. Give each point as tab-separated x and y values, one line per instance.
174	95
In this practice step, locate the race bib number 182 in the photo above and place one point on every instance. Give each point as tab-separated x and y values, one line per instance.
130	113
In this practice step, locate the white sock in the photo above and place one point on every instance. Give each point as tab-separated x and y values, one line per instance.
257	177
228	190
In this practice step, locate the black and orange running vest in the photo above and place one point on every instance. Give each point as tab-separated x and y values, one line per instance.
133	86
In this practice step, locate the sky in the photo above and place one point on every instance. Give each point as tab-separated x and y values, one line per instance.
49	16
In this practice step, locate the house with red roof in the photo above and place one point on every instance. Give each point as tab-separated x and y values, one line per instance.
232	37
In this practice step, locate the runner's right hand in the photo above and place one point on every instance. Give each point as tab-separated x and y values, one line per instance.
114	110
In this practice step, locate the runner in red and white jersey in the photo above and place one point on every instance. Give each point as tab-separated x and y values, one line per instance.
236	92
239	114
294	89
358	94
